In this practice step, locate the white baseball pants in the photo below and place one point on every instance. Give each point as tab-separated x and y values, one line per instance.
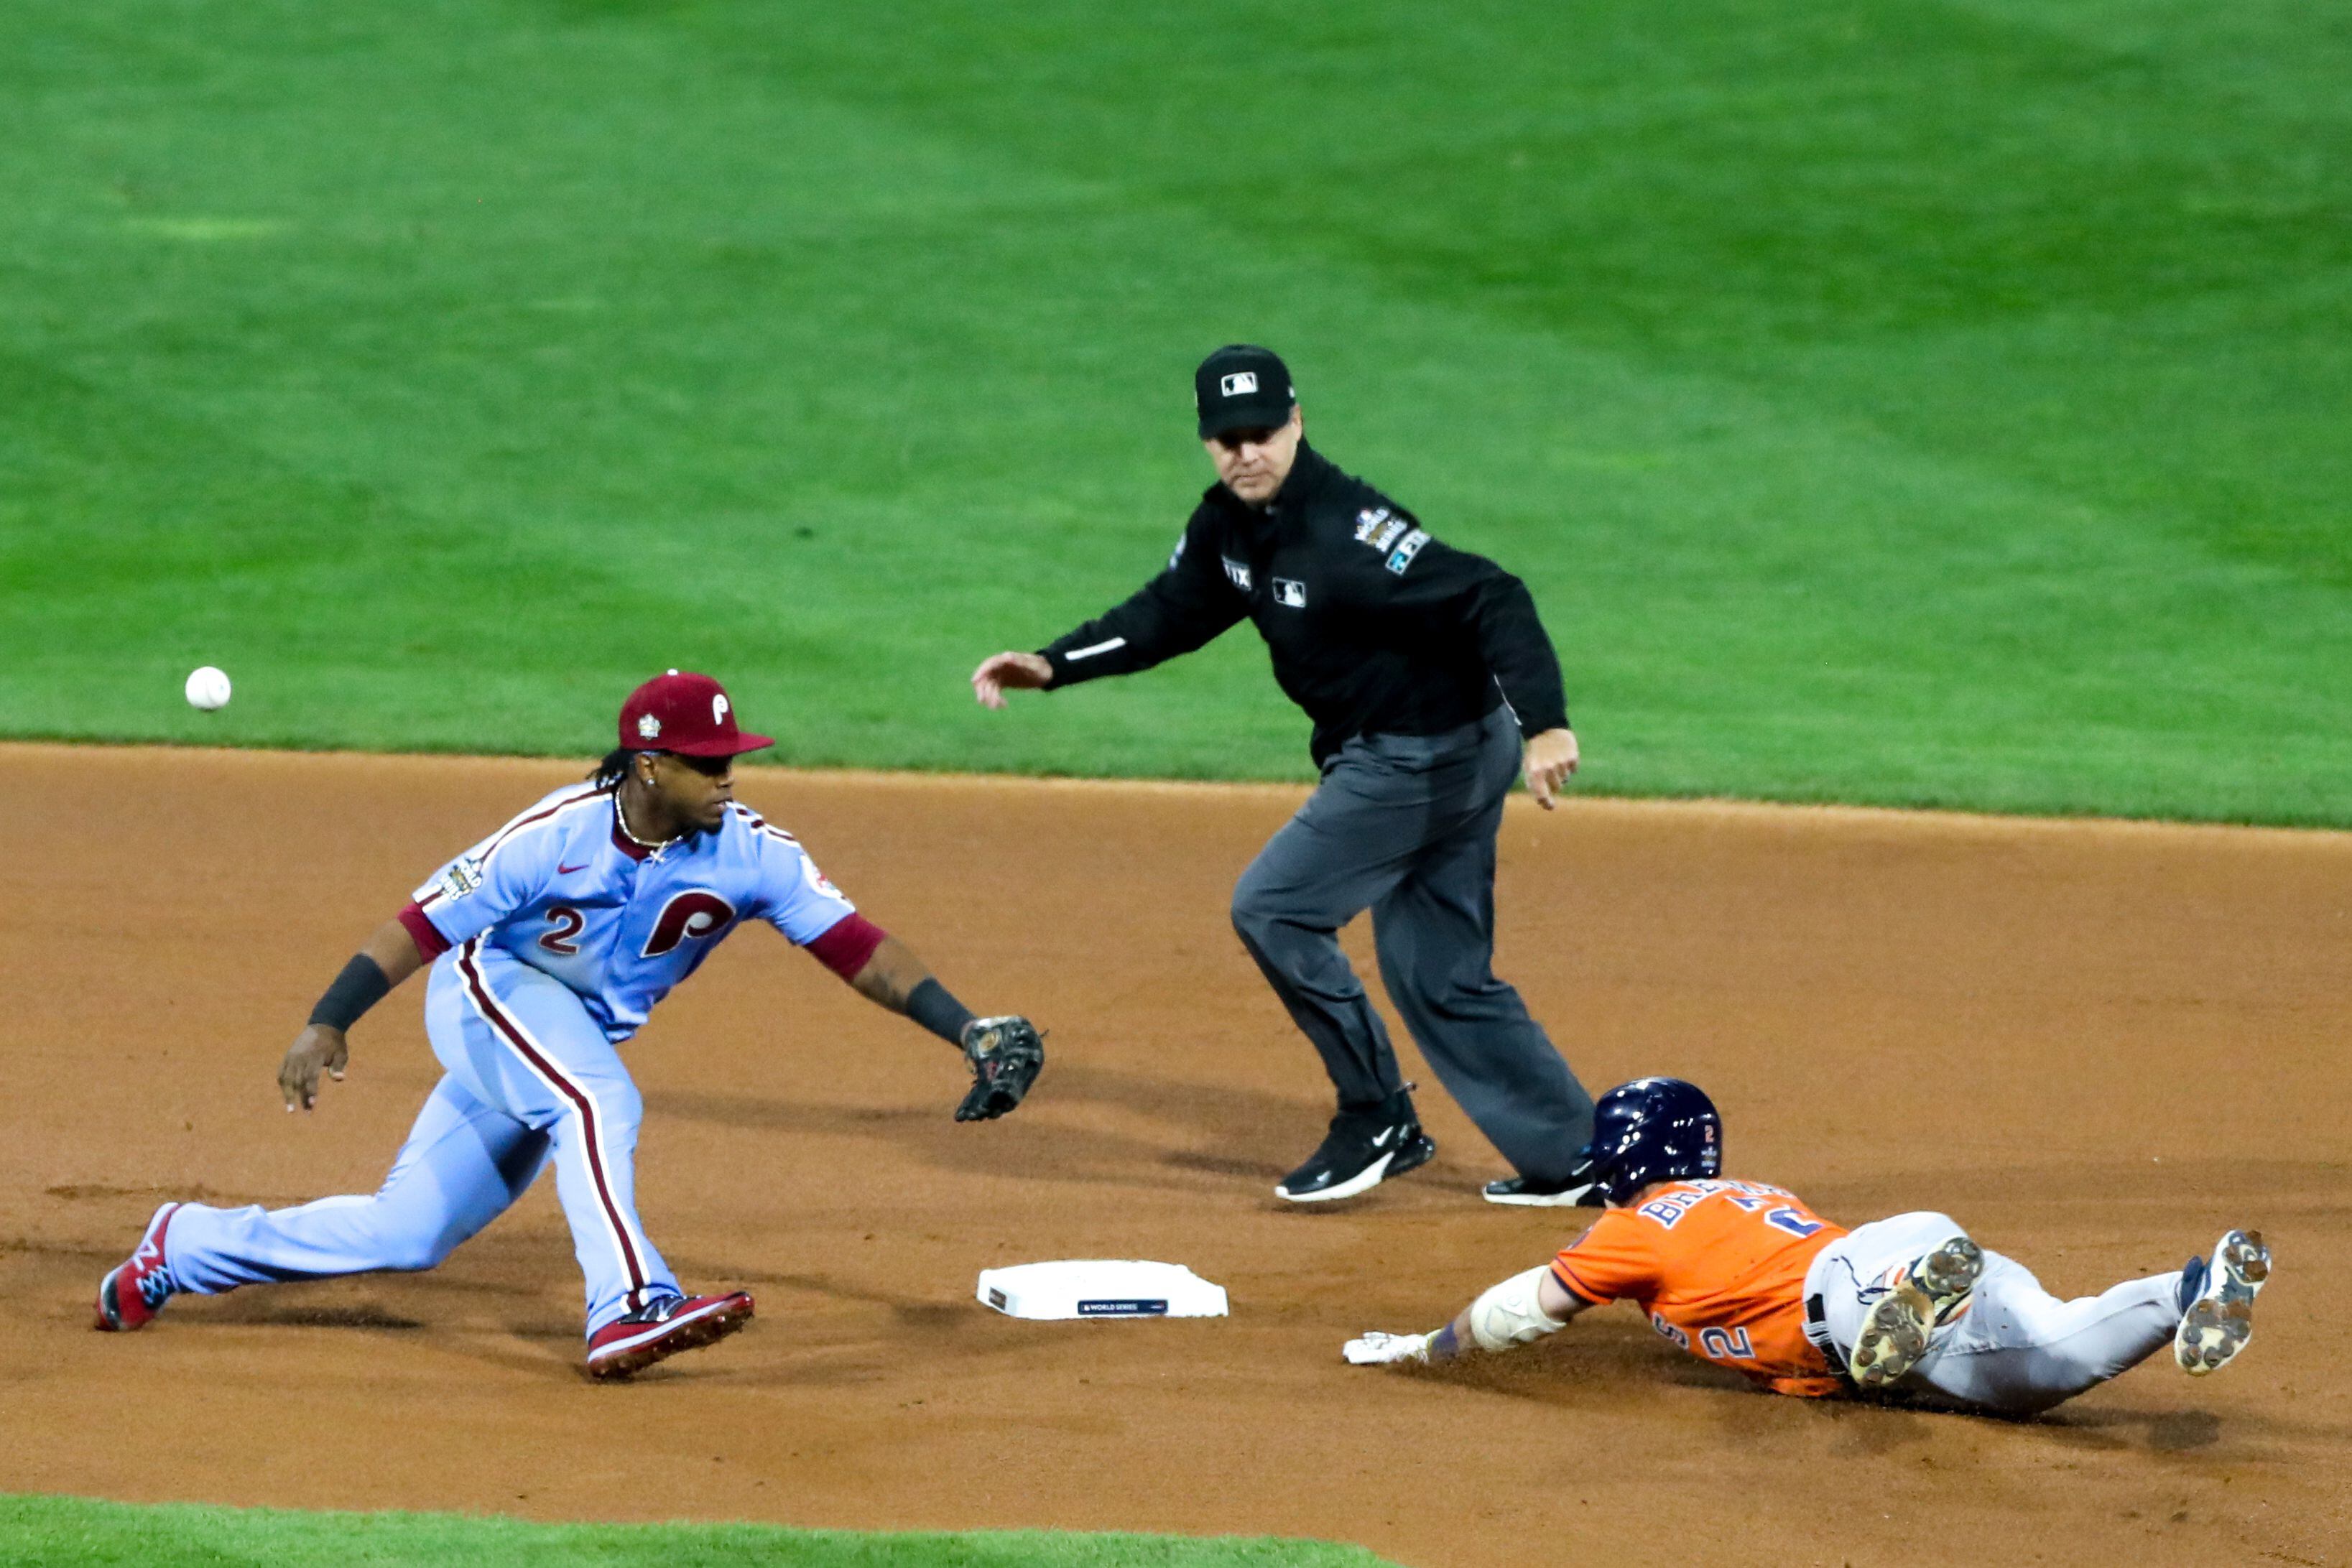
2019	1349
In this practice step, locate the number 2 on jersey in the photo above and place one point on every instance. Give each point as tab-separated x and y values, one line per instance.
567	922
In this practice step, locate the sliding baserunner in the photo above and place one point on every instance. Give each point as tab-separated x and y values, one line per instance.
550	941
1742	1273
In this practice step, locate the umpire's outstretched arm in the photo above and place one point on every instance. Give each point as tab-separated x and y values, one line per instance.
1183	608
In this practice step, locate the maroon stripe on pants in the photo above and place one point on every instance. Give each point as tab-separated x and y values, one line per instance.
581	1101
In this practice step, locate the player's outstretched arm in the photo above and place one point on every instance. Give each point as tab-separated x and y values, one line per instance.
1005	1054
389	957
1522	1308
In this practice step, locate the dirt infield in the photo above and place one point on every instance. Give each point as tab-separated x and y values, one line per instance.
2096	1044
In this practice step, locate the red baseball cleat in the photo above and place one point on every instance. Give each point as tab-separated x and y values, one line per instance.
626	1346
134	1292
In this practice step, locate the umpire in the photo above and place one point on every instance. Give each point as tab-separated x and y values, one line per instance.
1422	666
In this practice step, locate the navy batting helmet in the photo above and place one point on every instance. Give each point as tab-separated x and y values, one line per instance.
1652	1129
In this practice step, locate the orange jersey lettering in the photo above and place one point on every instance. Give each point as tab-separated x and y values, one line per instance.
1718	1267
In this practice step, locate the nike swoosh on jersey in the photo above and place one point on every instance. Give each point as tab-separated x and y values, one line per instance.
568	869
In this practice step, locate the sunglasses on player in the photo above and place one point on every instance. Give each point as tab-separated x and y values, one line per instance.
709	767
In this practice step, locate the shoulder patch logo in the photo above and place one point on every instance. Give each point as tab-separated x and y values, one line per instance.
464	875
1290	592
1379	527
1410	547
649	728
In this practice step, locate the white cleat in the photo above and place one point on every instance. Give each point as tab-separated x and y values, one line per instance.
2219	1319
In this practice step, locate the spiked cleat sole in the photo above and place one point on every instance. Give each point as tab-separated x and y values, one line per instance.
1948	1275
1894	1336
2220	1321
1933	1291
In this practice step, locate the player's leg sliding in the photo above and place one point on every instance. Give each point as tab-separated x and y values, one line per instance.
2217	1302
2011	1347
463	1165
1924	1295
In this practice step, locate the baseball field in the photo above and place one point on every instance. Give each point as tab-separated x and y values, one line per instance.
1893	406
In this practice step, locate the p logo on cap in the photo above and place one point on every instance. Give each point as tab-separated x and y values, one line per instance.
667	713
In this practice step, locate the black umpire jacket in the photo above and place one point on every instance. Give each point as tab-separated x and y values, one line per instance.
1374	627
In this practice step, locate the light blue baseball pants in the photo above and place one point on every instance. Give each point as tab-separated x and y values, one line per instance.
530	1075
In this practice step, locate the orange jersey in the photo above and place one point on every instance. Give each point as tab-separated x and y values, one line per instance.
1718	1267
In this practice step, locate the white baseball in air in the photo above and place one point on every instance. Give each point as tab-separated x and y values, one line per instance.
208	689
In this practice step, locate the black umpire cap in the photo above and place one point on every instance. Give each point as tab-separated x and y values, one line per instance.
1242	386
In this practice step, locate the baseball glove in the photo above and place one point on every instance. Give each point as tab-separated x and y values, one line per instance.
1007	1055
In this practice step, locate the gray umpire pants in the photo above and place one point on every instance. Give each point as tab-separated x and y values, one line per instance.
1404	825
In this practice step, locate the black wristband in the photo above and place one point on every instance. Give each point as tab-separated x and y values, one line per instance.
360	986
930	1005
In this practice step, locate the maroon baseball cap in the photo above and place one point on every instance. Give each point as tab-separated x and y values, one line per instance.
689	714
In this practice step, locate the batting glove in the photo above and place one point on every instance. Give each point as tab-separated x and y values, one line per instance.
1378	1349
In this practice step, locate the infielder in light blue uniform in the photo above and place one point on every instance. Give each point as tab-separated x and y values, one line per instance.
550	941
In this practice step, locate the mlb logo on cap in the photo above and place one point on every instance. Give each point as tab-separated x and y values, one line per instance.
1242	387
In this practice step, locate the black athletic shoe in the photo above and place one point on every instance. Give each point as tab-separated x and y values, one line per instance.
1576	1192
1363	1149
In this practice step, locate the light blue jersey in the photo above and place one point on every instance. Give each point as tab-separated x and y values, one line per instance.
555	938
564	890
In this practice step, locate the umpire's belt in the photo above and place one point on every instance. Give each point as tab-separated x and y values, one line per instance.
1817	1331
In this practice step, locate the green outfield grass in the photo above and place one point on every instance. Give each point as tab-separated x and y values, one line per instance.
71	1533
1942	402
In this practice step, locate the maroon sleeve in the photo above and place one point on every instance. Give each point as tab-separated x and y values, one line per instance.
848	944
430	943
